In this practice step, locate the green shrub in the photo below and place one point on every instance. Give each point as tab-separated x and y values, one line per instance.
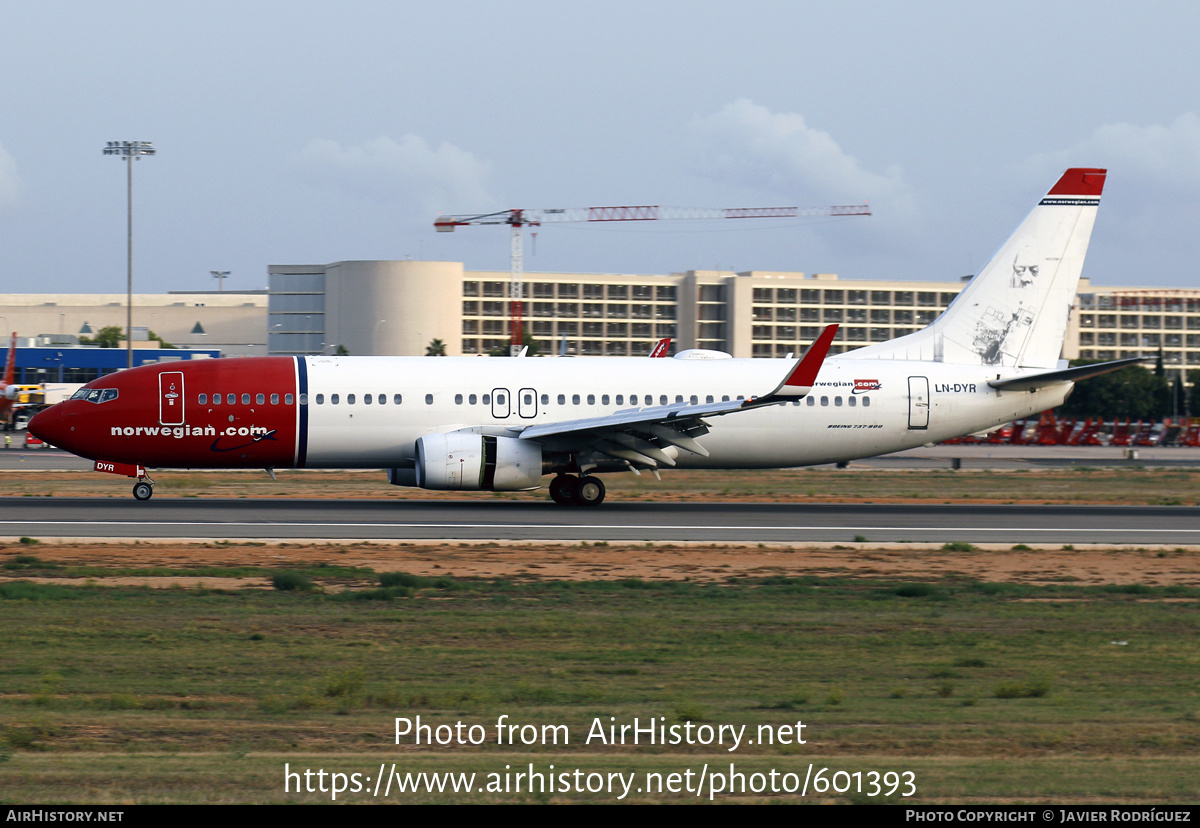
288	581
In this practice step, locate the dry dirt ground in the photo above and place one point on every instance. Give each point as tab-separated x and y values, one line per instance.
1154	566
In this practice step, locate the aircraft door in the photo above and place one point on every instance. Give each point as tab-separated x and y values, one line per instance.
170	398
918	402
501	404
527	402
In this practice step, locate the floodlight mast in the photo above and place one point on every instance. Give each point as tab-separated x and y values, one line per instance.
129	151
518	219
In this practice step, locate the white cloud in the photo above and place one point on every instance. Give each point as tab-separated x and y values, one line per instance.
443	178
1165	157
1152	198
11	186
748	145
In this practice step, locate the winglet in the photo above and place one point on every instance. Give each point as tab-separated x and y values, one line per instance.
801	379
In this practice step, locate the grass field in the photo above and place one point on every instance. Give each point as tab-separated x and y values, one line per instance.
985	691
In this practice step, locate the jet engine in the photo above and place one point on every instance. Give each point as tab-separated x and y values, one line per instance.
464	461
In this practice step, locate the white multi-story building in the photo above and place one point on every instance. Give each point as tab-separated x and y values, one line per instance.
400	307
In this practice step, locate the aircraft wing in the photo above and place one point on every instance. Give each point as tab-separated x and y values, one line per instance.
640	435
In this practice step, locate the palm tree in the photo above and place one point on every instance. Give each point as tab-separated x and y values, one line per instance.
436	347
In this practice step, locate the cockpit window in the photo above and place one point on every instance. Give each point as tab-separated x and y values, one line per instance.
95	395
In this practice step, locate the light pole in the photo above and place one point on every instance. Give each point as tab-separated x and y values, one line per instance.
220	275
129	151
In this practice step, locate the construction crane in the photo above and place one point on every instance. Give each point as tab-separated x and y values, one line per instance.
520	219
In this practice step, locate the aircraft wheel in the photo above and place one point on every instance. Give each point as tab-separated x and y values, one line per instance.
563	488
590	492
142	490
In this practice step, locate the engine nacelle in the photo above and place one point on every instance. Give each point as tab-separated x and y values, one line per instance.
12	392
462	461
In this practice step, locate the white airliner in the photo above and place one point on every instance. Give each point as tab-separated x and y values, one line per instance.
502	424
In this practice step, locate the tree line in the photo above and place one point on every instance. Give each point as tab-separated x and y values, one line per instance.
1135	392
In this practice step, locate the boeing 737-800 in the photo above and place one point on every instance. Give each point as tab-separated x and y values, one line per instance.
467	423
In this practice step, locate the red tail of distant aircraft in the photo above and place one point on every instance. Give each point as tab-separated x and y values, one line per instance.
488	424
8	389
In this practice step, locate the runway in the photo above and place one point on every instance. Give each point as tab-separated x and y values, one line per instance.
480	519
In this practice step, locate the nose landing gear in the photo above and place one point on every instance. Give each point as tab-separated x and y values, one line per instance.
566	489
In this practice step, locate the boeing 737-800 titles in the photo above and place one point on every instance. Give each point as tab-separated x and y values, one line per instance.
467	423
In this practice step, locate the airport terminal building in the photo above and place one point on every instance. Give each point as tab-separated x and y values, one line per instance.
398	307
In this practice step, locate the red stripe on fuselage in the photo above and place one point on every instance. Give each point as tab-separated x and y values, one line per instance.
243	434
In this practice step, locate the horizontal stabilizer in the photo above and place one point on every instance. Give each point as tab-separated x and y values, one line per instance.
1031	382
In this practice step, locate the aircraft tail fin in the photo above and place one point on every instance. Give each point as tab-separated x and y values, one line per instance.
10	364
1014	312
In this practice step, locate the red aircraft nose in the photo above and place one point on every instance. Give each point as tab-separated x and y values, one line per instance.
51	426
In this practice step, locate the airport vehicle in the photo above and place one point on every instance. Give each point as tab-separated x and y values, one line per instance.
501	424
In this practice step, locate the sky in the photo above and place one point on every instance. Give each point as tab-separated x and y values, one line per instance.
304	132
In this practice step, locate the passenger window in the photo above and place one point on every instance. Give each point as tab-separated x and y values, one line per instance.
260	399
203	399
866	402
649	400
349	399
604	400
620	399
429	399
216	399
679	398
383	399
288	399
366	399
662	400
487	399
837	401
397	399
851	401
473	399
591	399
724	398
320	399
545	399
695	399
562	399
500	399
574	399
333	399
274	399
709	398
811	400
824	400
458	399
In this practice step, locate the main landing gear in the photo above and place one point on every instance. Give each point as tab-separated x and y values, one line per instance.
143	489
581	491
